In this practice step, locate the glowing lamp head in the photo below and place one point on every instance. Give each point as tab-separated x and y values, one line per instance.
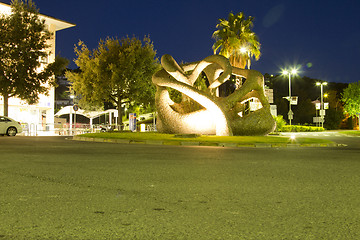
293	71
321	83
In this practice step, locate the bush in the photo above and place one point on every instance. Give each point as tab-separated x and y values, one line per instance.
280	123
282	127
299	128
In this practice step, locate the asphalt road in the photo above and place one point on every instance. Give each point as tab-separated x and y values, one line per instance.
53	188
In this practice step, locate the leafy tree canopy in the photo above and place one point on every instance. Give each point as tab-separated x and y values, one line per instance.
351	99
23	44
115	72
235	39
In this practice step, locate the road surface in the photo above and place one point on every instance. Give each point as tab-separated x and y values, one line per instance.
54	188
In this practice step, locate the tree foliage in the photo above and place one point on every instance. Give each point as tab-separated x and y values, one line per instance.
23	44
351	99
335	114
117	71
333	118
233	37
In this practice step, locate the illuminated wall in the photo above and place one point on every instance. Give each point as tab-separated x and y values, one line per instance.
246	111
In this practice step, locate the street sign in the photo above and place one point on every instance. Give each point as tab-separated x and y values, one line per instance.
326	105
293	99
290	115
132	122
75	107
316	119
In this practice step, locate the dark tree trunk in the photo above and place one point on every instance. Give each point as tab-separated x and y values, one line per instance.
6	105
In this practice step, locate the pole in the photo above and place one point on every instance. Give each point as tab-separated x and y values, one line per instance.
290	115
110	119
75	123
322	106
91	124
70	124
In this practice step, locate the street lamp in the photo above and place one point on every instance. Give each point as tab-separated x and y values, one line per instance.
293	72
322	110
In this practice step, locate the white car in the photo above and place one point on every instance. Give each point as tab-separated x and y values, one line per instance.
9	126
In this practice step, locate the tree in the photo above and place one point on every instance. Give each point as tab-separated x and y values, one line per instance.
23	44
351	99
304	111
335	114
333	118
235	40
115	72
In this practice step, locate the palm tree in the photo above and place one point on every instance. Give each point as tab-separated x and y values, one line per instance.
236	41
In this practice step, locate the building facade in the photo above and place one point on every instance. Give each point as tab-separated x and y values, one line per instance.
40	115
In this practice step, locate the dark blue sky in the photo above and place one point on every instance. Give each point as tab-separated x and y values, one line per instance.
323	36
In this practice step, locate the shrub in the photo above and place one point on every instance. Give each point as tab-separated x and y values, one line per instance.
299	128
280	123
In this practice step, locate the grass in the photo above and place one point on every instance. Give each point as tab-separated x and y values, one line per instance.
352	133
205	138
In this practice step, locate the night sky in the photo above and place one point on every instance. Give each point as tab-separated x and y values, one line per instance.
321	36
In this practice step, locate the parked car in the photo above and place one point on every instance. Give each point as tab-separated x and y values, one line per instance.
9	126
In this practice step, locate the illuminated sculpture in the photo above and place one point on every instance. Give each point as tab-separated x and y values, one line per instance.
223	116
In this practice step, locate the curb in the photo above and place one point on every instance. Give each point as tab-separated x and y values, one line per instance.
208	144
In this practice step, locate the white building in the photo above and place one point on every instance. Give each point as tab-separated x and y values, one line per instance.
40	115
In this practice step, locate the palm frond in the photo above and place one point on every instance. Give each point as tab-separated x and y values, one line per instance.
233	34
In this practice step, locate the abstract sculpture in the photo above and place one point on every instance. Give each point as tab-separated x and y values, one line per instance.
223	116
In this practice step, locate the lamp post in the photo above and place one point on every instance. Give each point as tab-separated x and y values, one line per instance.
294	72
322	110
